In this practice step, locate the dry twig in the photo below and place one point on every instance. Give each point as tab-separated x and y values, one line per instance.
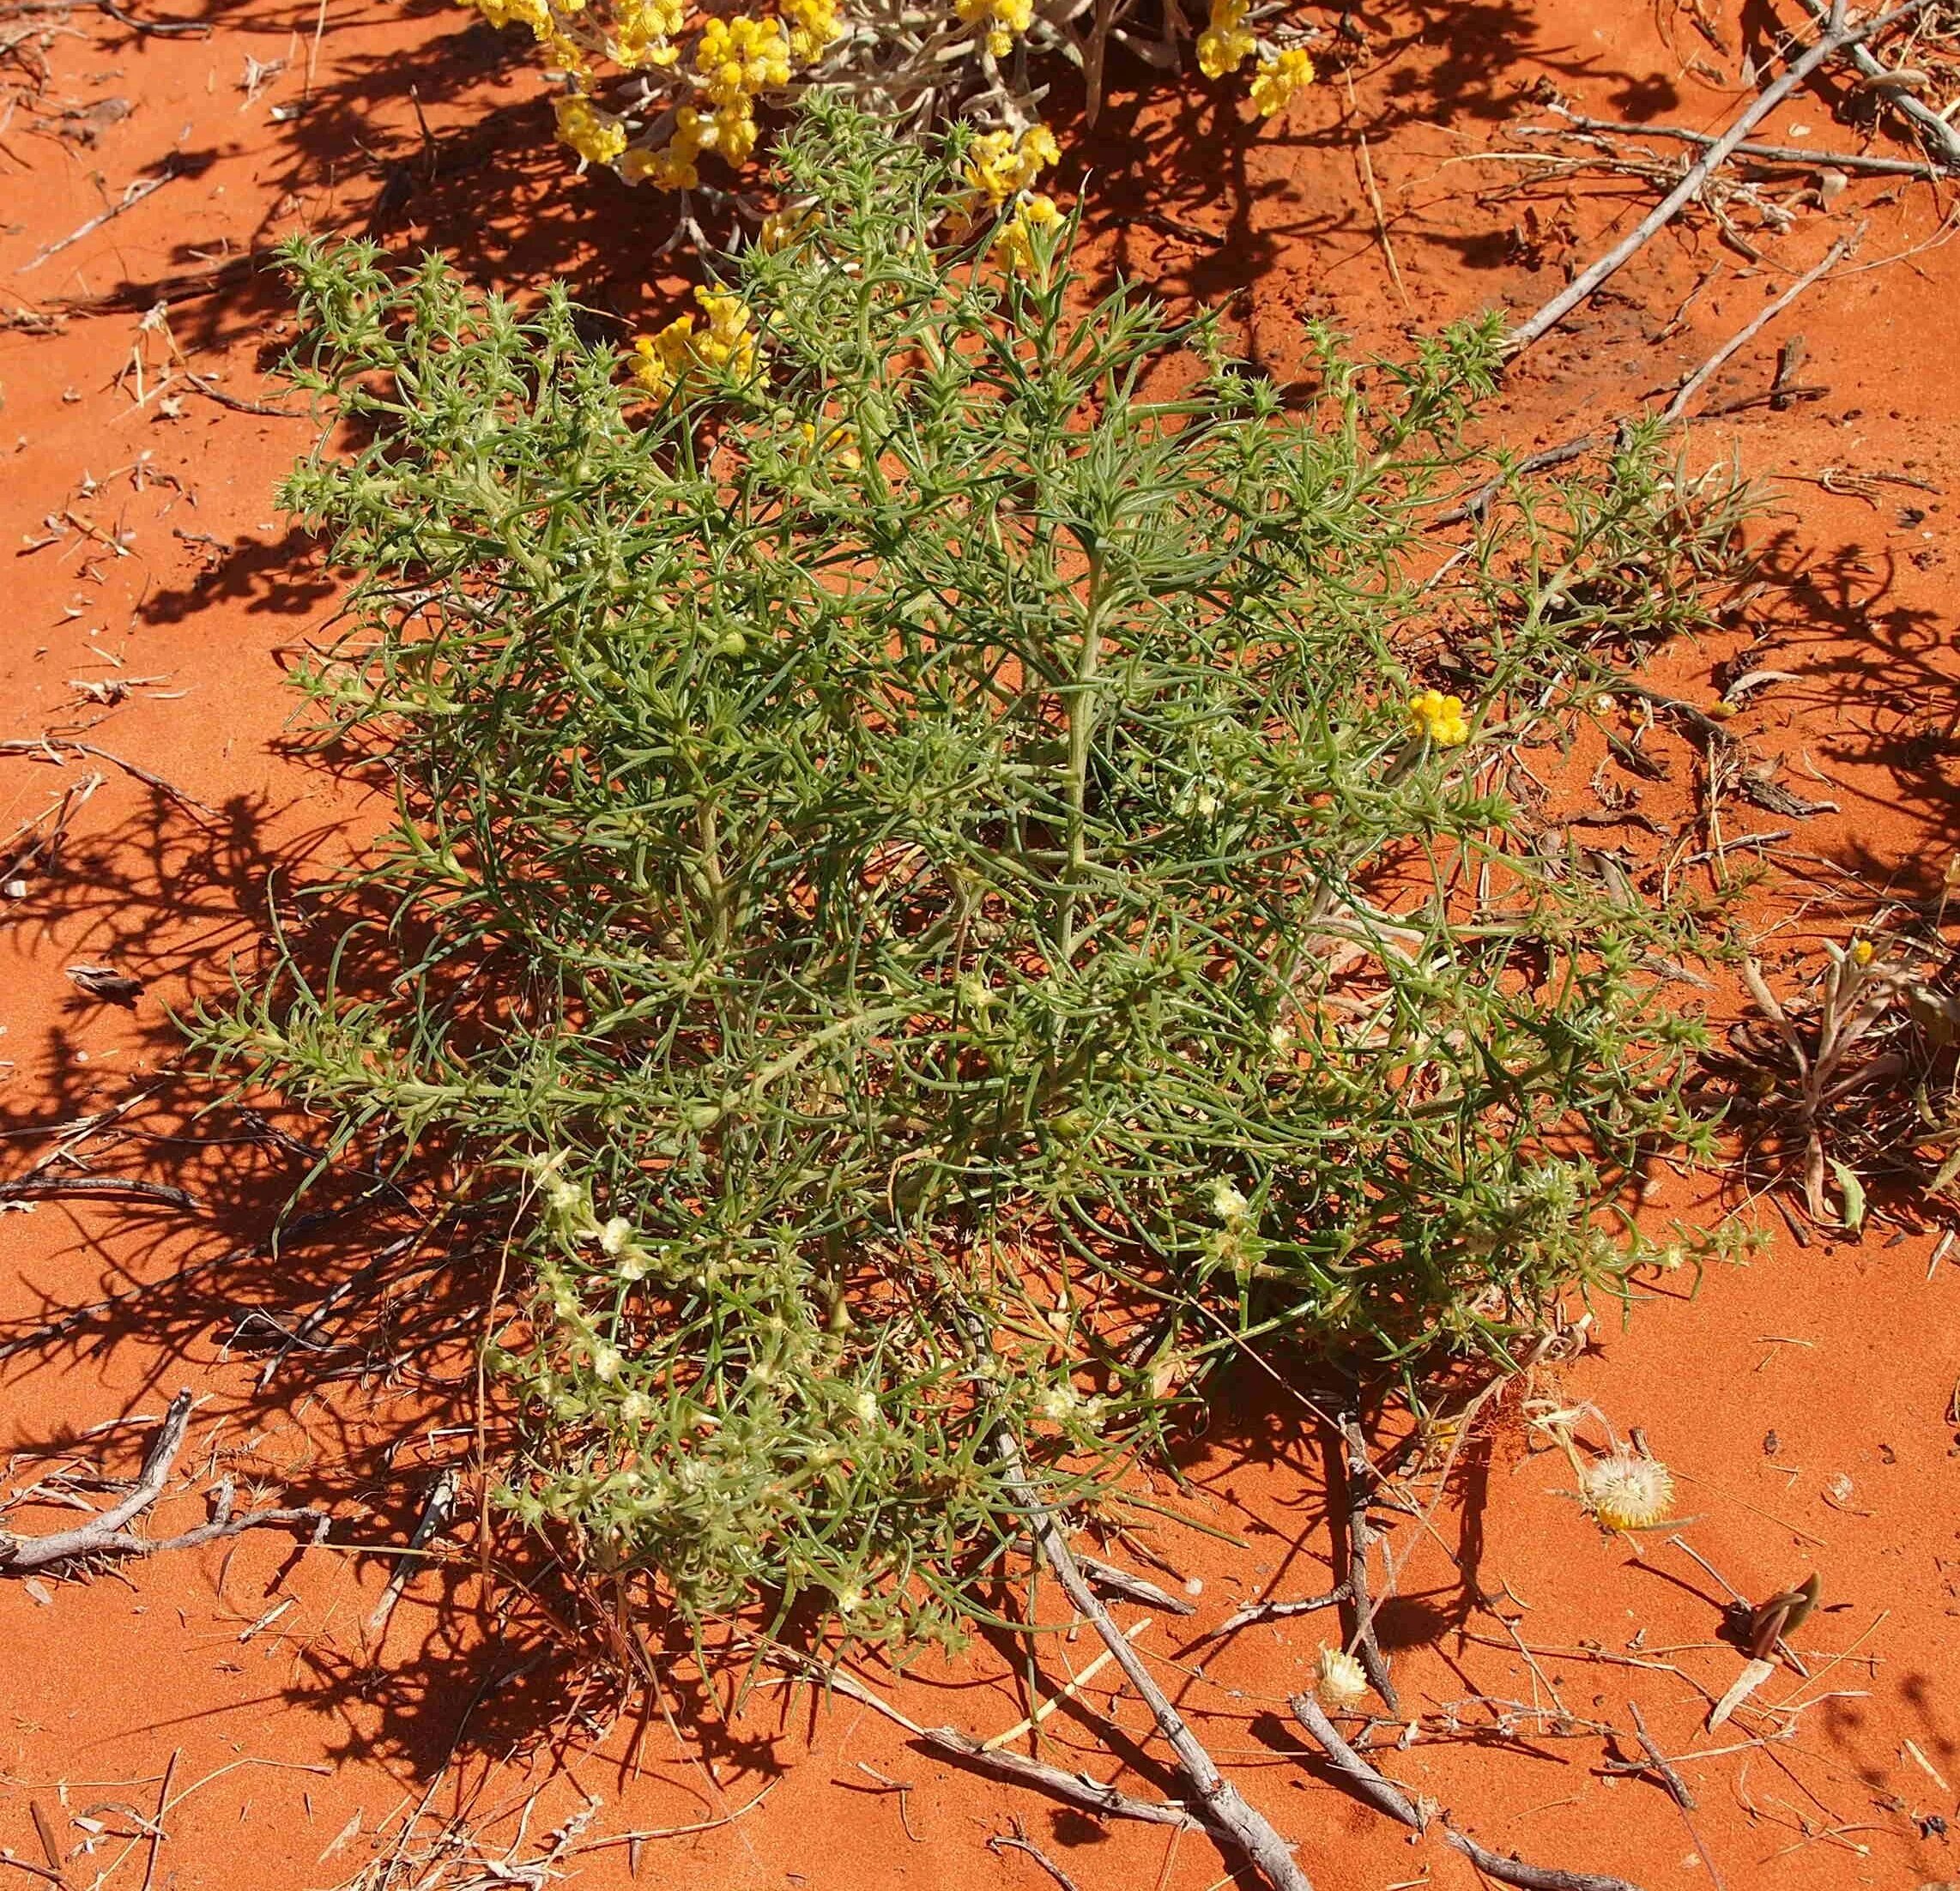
1387	1797
1224	1809
106	1536
1843	34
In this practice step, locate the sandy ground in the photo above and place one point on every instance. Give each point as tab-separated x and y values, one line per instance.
155	601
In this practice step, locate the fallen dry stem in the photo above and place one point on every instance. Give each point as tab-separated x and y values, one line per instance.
1076	1788
1223	1807
1940	135
1385	1797
106	1536
1842	34
1360	1479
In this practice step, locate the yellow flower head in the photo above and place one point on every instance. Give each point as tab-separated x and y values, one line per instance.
1002	19
1440	717
785	228
736	58
836	449
1014	245
1863	951
1226	43
644	31
1628	1491
597	136
814	26
1000	165
1278	79
534	14
662	362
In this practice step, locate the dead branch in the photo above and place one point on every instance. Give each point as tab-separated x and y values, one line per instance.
32	1187
1360	1477
1843	34
1678	407
1016	1840
1277	1611
1943	137
1076	1788
106	1536
1385	1797
1123	1582
1478	502
50	746
133	194
1224	1809
1793	155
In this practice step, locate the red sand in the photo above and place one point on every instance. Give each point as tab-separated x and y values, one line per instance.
288	1748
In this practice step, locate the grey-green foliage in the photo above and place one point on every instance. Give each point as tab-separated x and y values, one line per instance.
958	934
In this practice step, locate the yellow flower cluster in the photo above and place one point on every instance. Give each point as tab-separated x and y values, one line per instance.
1441	718
1227	42
1014	245
534	14
597	136
644	33
728	344
783	229
1003	164
1004	19
816	25
1278	79
736	58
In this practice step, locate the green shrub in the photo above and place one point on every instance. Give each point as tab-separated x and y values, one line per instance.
917	891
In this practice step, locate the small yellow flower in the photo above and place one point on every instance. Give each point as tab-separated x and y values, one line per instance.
1004	19
736	58
814	27
836	449
1014	245
1341	1681
1863	951
1279	79
728	345
644	31
1000	165
1440	717
597	136
1226	43
1628	1491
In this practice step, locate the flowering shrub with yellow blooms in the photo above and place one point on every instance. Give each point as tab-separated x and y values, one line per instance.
917	914
653	87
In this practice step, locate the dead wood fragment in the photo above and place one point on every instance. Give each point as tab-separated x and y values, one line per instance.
1277	1610
1387	1797
1791	154
1840	35
32	1187
1123	1582
1360	1478
1939	134
1076	1788
1224	1810
105	1535
52	747
1016	1840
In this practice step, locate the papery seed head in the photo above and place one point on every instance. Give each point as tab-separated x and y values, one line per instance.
1627	1491
1342	1680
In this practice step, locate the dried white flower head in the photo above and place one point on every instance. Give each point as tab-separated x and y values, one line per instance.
1628	1491
1342	1681
1227	1204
